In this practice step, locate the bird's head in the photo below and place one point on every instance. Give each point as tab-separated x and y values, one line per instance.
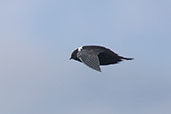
74	55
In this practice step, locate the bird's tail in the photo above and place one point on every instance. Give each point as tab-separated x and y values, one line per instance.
126	58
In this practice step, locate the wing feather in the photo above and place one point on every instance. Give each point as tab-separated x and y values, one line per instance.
91	60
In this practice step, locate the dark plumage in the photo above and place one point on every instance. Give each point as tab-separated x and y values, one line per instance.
94	56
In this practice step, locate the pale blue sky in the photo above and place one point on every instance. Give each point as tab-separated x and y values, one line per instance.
38	36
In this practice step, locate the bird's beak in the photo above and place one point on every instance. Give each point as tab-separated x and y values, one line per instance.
70	58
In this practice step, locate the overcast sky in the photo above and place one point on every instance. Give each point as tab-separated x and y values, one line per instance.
37	38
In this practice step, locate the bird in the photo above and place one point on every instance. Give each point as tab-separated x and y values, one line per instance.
95	56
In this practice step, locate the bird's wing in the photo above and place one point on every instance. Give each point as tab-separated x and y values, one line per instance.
91	60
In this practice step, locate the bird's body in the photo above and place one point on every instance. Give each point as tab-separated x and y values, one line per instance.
94	56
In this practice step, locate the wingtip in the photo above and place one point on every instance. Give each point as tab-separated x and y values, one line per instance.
100	71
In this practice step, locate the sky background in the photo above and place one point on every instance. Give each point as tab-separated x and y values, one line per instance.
37	38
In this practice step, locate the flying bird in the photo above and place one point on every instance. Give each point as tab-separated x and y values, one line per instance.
94	56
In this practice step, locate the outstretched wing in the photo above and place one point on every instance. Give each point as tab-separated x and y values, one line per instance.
91	60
